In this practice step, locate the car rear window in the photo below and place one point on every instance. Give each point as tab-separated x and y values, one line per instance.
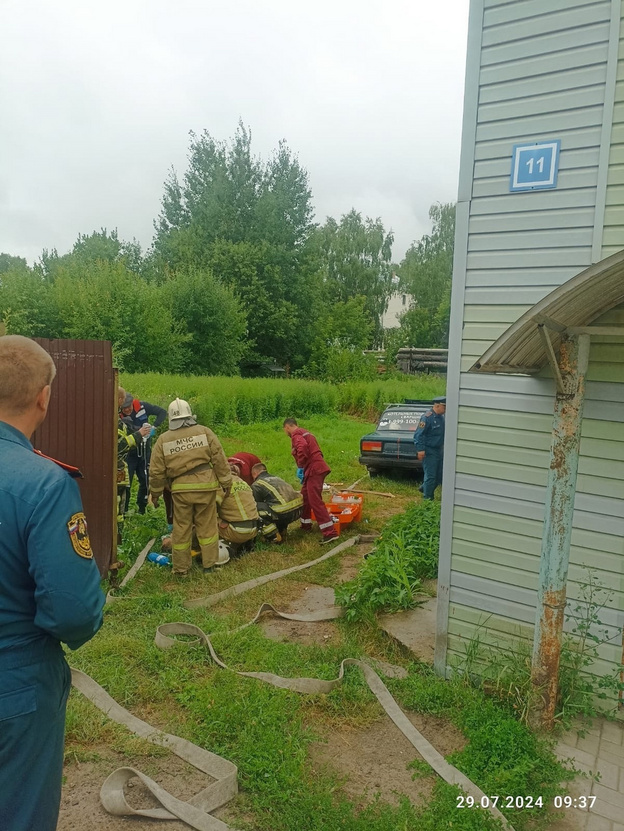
400	420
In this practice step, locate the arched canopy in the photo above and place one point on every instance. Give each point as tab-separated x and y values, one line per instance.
524	349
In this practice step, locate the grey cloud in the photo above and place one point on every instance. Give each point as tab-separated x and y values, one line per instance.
98	99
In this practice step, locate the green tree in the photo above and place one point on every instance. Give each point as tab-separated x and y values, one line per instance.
27	306
10	263
357	257
105	301
250	223
214	321
89	248
247	268
426	274
344	330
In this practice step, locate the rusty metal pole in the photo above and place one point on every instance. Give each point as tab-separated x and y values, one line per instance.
557	533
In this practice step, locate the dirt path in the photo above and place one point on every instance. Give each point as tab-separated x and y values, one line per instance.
375	759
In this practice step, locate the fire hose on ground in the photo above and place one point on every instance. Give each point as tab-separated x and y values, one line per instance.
197	811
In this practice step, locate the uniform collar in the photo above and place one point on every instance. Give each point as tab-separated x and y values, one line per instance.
9	433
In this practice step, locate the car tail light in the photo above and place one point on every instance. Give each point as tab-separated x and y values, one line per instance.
371	445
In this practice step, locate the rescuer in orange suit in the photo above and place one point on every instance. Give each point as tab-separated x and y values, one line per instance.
308	455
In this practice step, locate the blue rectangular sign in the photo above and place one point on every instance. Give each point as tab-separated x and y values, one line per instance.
535	166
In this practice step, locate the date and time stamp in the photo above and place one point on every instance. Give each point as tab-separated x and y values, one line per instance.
520	803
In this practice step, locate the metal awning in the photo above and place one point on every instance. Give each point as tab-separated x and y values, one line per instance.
526	346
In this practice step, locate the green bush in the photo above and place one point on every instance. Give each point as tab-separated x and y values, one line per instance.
390	577
219	400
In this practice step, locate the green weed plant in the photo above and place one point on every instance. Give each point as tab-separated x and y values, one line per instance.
390	578
503	669
582	694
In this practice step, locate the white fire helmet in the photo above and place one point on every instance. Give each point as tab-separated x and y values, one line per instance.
179	409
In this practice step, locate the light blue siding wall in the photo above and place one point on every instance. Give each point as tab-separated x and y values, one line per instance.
543	72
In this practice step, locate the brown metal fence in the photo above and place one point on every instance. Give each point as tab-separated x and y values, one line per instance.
81	429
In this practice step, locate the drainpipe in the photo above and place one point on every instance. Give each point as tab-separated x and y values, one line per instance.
557	533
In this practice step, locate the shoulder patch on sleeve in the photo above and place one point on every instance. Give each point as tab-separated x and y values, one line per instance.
422	424
79	536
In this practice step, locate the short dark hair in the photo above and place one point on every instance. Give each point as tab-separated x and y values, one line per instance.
292	421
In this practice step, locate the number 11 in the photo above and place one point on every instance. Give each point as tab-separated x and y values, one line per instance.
540	164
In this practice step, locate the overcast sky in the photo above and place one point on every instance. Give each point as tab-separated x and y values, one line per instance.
98	96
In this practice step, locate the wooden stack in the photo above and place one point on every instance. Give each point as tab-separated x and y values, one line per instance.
411	360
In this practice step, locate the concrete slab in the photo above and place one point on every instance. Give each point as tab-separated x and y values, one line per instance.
415	629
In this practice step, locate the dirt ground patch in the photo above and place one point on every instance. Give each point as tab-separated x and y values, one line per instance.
350	562
311	599
81	808
374	759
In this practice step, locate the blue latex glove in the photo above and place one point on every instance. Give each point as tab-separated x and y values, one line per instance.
300	474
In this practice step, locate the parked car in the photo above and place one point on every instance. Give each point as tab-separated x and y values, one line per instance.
391	446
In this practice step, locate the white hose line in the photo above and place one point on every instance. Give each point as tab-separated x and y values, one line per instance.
233	591
314	686
195	812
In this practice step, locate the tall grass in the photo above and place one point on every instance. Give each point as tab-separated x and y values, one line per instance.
223	400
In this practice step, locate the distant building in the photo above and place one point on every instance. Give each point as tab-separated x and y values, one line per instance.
397	304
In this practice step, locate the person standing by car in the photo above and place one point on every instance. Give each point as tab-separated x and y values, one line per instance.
136	414
308	456
429	441
49	593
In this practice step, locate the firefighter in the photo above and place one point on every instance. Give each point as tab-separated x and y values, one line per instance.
278	503
238	515
136	414
126	440
49	593
308	456
191	458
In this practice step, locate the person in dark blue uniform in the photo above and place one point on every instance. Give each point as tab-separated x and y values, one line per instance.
49	593
429	441
136	415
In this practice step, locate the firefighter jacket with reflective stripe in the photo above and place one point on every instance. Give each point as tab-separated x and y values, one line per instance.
277	493
126	440
191	458
239	505
307	453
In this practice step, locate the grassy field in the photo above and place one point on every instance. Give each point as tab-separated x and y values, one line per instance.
266	731
221	401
